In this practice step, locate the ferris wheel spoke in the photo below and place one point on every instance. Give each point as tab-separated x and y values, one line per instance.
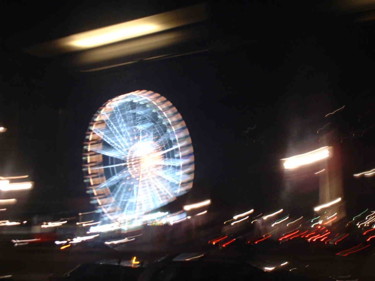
167	177
114	179
114	153
109	140
119	138
162	188
123	125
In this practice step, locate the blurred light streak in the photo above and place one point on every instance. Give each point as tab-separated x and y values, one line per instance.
53	224
9	223
360	214
14	177
84	222
194	258
3	209
217	240
315	218
327	205
352	250
273	214
201	213
3	129
228	243
104	227
335	111
65	246
280	221
368	173
367	231
268	268
289	223
10	201
329	217
341	238
288	235
307	158
25	240
241	220
123	31
284	263
80	239
320	171
6	186
197	205
243	214
120	241
329	221
262	239
371	237
57	242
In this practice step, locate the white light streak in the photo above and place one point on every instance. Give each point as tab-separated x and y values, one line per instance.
80	239
320	171
327	205
104	227
235	222
9	223
273	214
268	268
16	241
243	214
120	241
197	205
297	161
53	224
333	112
6	186
368	173
3	209
289	223
331	216
8	201
280	221
201	213
284	263
194	258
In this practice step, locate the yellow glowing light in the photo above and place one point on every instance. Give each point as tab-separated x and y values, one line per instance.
8	201
112	34
65	246
135	261
307	158
326	205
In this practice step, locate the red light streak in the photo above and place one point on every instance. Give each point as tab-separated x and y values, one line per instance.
213	242
368	239
369	230
355	251
288	235
342	238
262	239
228	243
331	220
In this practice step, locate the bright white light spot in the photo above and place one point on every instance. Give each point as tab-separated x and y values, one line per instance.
197	205
297	161
326	205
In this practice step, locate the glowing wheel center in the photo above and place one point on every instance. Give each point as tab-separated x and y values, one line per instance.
144	158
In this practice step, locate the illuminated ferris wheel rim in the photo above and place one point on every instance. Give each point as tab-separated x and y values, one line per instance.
164	170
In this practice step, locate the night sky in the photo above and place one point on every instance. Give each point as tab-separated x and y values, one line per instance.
259	93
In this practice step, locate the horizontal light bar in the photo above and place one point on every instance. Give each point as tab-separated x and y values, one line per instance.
6	186
273	214
123	31
326	205
197	205
8	201
314	156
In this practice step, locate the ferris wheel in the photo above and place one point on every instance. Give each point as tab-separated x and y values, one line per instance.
137	157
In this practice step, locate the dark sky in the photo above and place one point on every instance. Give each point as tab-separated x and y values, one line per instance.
272	71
